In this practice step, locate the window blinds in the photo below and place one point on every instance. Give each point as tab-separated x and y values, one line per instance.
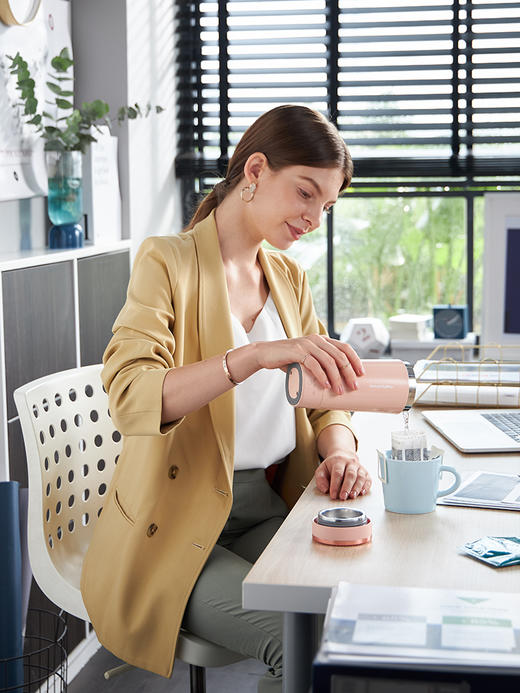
424	88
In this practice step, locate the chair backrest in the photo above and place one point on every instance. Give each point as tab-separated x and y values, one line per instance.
72	448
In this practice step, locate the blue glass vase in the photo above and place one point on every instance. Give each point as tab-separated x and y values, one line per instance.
65	198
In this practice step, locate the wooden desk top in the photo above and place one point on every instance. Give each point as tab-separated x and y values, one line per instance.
296	574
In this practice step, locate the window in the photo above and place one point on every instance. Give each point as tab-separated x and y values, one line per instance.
427	96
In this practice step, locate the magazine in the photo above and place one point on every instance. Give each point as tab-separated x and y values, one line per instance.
486	490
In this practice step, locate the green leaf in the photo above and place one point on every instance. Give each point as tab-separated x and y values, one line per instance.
86	137
46	114
67	93
61	64
31	104
54	87
36	120
84	142
98	109
159	109
63	103
131	112
74	120
27	82
70	140
51	130
62	61
56	145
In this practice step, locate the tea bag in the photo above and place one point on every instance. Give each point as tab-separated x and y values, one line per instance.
496	551
409	446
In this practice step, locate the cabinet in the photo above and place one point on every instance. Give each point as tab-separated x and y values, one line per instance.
57	311
102	283
38	324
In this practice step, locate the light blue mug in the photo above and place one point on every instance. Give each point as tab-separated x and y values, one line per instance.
413	487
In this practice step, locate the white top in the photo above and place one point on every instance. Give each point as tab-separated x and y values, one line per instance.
265	428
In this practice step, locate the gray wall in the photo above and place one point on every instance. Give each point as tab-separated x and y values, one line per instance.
124	53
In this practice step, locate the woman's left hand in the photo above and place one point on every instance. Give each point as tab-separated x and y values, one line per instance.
342	476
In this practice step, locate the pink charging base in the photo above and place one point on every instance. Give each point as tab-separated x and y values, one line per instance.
342	536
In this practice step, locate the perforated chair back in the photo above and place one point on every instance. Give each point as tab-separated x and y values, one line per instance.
72	448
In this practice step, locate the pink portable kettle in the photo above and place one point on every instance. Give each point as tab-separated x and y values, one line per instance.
387	386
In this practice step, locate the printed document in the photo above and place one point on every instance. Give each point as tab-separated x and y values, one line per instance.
407	623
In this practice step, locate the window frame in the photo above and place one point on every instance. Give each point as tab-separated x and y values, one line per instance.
463	175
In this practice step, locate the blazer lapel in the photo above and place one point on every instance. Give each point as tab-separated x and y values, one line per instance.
283	295
215	330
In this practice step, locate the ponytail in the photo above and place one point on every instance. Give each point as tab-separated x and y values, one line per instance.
209	203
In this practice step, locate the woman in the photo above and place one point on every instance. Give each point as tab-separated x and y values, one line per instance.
209	310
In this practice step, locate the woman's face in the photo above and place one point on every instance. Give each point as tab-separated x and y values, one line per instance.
290	202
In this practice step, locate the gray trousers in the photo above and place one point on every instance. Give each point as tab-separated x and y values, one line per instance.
214	610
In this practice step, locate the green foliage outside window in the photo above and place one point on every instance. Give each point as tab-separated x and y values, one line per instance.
394	255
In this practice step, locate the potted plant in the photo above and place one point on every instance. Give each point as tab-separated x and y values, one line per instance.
67	132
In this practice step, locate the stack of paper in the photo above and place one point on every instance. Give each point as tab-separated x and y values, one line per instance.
480	373
479	384
408	326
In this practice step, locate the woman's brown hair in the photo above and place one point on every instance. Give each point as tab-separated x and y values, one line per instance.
288	136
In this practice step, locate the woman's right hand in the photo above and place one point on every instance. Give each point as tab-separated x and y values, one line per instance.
333	364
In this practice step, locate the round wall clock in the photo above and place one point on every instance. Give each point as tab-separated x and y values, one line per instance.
18	12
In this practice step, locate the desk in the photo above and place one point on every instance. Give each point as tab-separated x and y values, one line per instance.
294	575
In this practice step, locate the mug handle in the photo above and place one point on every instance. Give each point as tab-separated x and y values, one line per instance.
382	471
455	484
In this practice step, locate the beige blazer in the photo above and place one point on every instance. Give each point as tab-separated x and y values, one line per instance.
172	489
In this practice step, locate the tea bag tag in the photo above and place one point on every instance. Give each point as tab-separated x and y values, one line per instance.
381	466
436	452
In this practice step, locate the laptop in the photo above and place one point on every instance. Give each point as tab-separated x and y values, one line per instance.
478	430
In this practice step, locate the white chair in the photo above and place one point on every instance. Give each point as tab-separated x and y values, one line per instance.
72	448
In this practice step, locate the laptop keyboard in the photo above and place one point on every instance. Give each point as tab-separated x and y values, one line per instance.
508	423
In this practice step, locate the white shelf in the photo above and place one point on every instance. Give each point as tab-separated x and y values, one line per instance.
43	256
414	350
469	340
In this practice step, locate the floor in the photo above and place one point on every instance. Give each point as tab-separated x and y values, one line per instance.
241	677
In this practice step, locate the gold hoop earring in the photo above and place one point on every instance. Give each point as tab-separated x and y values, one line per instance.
248	192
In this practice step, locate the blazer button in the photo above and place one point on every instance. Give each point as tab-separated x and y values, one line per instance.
172	471
152	529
